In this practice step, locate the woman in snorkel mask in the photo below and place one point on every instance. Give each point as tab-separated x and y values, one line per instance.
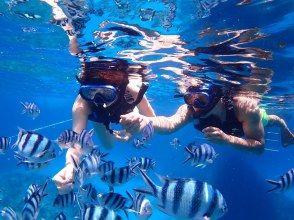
234	119
105	94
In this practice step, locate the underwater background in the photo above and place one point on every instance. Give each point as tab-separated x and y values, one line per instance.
36	66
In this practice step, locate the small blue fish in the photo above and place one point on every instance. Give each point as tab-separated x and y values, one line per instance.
31	110
175	143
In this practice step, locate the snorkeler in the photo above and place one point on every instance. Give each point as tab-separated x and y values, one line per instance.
105	94
108	89
222	117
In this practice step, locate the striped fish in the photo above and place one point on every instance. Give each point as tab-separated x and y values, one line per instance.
9	214
31	109
200	155
105	167
147	131
65	200
89	165
114	201
33	145
85	139
32	206
141	206
67	138
145	163
87	193
33	188
4	144
60	216
138	144
285	182
119	175
94	212
186	198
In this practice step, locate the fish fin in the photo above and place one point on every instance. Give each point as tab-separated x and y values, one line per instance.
276	184
91	132
144	191
200	165
210	160
205	217
126	213
132	211
23	104
161	208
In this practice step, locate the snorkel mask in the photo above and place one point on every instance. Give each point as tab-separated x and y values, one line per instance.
203	97
99	94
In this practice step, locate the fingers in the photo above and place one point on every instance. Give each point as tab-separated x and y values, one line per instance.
64	180
123	136
210	129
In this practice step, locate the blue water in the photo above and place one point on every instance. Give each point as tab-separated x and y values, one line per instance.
36	66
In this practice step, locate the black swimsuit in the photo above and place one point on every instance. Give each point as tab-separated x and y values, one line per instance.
230	126
112	113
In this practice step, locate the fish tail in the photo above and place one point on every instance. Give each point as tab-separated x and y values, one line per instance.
152	188
190	155
276	184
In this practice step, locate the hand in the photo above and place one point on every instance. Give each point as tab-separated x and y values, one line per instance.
215	135
134	122
122	135
64	179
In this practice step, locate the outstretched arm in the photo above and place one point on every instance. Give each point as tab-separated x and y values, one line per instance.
134	122
64	178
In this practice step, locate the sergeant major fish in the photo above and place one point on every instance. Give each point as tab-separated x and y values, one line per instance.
31	110
119	175
85	139
114	201
200	155
33	188
145	163
87	193
285	182
31	144
65	200
186	198
94	212
105	167
32	206
141	206
60	216
67	138
4	144
9	214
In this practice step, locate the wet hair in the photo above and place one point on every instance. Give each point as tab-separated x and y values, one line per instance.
114	72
